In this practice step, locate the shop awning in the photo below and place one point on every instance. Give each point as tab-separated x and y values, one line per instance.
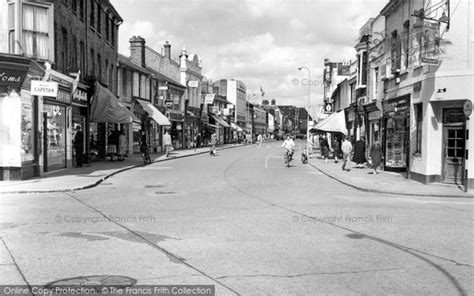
336	122
154	113
211	125
220	121
106	107
235	126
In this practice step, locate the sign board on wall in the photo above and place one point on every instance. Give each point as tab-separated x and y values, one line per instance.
193	83
44	88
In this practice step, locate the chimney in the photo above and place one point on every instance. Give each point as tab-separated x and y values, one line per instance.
167	47
137	50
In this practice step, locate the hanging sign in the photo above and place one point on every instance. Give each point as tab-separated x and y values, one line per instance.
44	88
467	108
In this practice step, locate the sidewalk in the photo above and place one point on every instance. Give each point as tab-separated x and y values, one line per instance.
384	182
72	179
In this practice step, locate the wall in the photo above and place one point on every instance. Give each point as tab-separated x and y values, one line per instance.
3	27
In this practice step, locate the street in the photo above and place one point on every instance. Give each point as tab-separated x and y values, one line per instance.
244	222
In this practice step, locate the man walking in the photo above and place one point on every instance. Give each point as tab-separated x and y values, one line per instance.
346	148
213	144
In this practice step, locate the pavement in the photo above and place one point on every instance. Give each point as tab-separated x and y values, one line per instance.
73	179
384	182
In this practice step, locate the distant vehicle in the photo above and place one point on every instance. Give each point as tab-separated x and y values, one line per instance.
300	136
279	136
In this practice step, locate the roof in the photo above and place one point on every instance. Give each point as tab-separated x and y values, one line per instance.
128	63
161	76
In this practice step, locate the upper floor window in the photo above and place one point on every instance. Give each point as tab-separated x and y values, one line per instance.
99	19
99	67
396	52
92	13
112	33
74	53
107	28
81	9
362	69
64	56
406	41
35	41
82	57
74	6
92	63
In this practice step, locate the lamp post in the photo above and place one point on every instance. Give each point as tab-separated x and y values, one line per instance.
307	111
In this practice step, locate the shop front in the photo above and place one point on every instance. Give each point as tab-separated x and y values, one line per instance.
80	117
176	131
20	131
192	126
55	130
396	122
373	116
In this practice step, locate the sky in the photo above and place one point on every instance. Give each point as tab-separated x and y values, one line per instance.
260	42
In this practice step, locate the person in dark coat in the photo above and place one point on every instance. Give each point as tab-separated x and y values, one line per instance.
79	146
324	146
376	155
359	153
336	146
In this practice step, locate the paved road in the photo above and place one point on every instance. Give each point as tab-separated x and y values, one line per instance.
246	223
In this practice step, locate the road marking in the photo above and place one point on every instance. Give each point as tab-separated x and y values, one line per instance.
271	156
155	168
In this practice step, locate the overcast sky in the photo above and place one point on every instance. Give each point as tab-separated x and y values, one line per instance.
261	42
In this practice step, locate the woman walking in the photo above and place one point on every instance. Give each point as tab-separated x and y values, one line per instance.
376	156
359	153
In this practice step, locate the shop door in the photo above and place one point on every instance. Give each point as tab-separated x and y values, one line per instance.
453	154
45	141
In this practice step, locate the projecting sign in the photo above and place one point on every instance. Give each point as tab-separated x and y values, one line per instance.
163	88
467	108
44	88
209	99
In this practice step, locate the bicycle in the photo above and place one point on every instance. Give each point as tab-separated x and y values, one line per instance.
145	154
288	157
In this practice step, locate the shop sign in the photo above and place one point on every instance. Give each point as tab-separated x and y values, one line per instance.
44	88
12	78
62	96
396	106
193	83
79	97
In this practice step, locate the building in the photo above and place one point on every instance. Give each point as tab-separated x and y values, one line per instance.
71	47
427	79
235	92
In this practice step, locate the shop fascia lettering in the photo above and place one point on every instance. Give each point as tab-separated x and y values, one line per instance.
10	78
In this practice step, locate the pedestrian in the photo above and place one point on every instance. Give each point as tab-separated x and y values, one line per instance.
167	143
324	146
259	140
336	146
112	142
79	146
236	138
346	148
122	145
359	153
376	155
212	151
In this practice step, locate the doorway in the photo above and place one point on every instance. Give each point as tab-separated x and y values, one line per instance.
453	153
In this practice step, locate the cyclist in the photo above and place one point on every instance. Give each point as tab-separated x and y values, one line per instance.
289	146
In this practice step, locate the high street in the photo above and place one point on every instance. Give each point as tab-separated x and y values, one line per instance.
244	222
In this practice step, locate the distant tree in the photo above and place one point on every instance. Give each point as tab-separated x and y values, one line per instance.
265	103
273	102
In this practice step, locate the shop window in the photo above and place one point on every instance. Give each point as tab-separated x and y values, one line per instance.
27	127
419	126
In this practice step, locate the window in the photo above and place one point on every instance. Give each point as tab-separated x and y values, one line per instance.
92	14
362	68
81	9
113	33
74	53
353	93
396	54
99	67
107	29
419	127
99	19
92	68
107	72
64	53
82	57
11	28
406	39
74	6
35	31
376	81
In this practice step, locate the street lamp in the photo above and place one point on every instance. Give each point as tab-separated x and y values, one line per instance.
307	111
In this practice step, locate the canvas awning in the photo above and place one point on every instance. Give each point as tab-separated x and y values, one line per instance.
106	107
235	126
154	113
336	122
220	120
